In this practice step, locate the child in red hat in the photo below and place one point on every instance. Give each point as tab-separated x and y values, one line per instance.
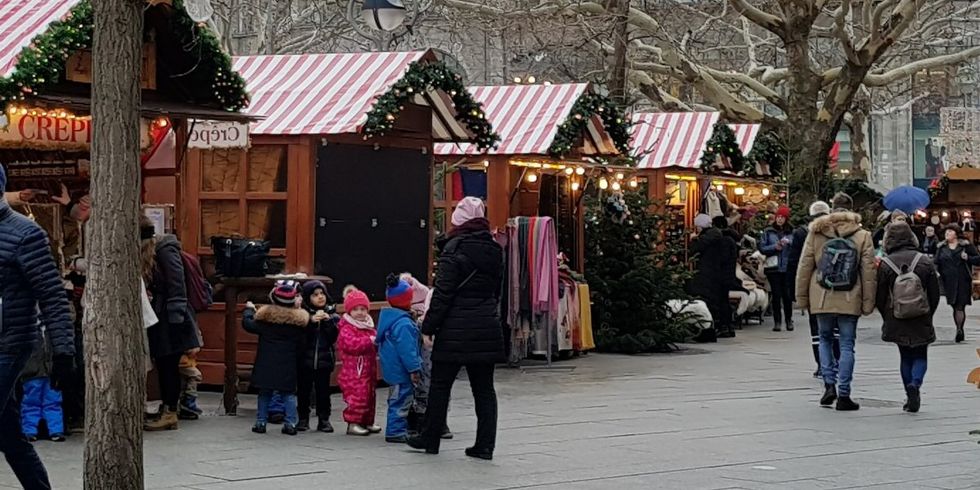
359	368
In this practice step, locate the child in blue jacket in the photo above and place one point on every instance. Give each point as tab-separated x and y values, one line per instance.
398	349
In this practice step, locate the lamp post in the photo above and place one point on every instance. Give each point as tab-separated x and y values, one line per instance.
384	15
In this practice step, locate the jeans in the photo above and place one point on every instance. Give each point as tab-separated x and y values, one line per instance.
847	325
313	381
20	454
484	397
815	340
289	401
782	301
41	402
400	399
914	364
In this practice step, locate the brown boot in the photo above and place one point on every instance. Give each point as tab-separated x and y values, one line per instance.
167	421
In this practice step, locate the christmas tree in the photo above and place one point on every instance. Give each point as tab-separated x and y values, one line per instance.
633	271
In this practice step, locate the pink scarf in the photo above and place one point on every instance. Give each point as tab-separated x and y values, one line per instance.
365	325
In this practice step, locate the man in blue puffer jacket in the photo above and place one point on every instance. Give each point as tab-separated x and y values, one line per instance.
29	282
398	350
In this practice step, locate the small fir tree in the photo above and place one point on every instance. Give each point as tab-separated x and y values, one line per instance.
633	271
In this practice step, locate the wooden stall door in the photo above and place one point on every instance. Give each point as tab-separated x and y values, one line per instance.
372	215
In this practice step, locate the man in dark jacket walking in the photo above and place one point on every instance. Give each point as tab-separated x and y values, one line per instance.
463	327
29	282
912	335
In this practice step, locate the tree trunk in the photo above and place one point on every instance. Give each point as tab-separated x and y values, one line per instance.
857	127
114	364
618	90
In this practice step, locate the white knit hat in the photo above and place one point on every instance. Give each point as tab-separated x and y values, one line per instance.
819	208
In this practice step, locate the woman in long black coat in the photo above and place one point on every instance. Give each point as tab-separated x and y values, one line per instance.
463	327
177	331
717	256
955	260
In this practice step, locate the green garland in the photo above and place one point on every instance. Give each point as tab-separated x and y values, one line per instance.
419	79
938	188
41	65
585	107
722	141
770	150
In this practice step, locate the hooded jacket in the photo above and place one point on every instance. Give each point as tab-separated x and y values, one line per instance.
177	330
398	346
901	246
717	258
281	334
809	294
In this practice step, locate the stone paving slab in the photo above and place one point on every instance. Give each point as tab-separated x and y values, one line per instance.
739	414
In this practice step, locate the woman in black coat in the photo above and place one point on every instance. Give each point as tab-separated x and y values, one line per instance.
176	332
463	327
317	360
912	335
955	260
717	257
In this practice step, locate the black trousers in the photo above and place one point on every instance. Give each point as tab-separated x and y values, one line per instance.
782	297
168	373
73	401
313	381
484	397
20	454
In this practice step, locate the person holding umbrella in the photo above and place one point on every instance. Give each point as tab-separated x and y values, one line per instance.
955	260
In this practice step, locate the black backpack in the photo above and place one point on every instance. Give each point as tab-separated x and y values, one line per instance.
240	257
839	266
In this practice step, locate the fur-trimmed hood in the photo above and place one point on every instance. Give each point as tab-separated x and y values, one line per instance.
843	222
282	316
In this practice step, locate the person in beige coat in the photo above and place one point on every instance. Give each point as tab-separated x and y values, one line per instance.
835	308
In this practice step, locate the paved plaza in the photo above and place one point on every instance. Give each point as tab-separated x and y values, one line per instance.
742	413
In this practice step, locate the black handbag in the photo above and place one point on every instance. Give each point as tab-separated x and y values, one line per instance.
240	257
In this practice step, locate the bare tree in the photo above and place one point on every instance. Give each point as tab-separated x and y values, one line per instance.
115	381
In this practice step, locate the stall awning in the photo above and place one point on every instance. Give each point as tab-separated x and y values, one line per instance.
21	21
678	139
527	117
333	93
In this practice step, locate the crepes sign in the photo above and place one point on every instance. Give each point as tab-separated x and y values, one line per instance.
52	130
206	135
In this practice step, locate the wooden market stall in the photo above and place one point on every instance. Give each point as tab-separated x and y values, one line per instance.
554	141
337	177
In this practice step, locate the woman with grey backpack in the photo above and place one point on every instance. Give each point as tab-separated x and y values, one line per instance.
907	298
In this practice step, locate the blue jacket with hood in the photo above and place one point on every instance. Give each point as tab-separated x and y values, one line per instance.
398	346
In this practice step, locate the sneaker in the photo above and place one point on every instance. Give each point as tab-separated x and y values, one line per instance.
289	430
829	395
446	433
374	429
915	399
324	426
845	404
303	425
419	443
479	453
402	439
58	437
258	428
357	430
189	403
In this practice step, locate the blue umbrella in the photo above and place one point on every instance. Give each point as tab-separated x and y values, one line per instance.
906	198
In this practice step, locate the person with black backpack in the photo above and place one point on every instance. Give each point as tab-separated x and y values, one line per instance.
908	295
836	280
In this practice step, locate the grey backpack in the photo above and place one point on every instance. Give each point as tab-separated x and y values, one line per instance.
909	299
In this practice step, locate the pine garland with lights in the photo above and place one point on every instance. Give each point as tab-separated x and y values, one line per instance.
769	150
722	142
421	78
588	105
42	64
633	270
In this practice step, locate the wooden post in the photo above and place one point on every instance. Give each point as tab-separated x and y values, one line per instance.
498	192
231	350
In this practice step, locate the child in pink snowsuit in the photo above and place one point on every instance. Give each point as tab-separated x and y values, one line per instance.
359	369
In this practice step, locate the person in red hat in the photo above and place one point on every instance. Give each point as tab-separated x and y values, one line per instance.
359	366
775	245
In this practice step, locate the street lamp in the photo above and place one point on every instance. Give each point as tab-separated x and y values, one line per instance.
385	15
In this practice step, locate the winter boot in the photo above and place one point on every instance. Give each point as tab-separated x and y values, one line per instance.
960	335
357	430
446	433
778	327
829	395
915	399
845	404
479	453
324	426
789	325
258	428
374	429
288	429
303	425
167	421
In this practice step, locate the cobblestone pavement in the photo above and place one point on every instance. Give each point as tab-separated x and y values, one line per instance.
742	413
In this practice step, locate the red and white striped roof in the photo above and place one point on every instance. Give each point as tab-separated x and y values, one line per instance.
527	117
332	93
21	21
678	139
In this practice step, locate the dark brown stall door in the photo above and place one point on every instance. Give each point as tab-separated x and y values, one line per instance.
372	215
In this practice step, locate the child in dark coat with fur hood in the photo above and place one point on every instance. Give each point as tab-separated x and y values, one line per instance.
281	327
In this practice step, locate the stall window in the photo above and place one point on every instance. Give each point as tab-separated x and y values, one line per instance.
442	197
243	194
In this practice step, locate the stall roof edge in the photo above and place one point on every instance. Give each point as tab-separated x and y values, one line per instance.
677	139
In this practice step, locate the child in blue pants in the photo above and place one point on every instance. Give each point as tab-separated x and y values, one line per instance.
398	350
41	401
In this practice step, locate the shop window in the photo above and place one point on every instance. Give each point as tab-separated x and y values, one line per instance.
267	168
220	170
267	221
219	218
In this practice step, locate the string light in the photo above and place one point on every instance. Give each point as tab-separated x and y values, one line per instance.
580	171
575	186
634	183
569	171
619	176
532	177
531	79
518	80
739	191
765	191
616	186
603	183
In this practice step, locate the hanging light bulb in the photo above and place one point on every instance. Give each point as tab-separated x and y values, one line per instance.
532	177
720	187
569	170
531	79
616	186
575	186
765	191
580	171
619	176
634	183
739	191
518	80
603	183
486	163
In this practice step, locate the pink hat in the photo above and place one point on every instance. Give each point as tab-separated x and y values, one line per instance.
467	209
354	299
